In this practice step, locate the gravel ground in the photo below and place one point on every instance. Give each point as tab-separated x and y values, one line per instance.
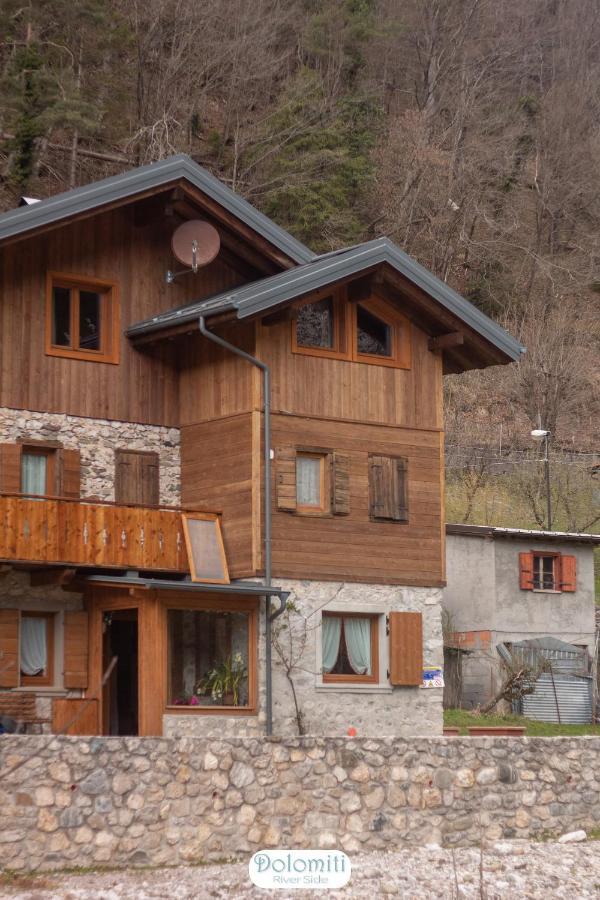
516	869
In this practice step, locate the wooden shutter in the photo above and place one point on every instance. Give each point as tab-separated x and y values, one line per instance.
10	468
406	648
285	478
526	571
340	484
76	650
69	474
9	648
568	573
137	478
388	488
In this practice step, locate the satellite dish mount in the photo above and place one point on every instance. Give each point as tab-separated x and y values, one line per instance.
194	244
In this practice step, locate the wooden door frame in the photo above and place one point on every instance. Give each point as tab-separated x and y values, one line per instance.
150	686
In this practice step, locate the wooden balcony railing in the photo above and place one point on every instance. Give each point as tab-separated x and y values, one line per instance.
85	533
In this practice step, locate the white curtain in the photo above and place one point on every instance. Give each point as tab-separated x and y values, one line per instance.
331	627
34	651
33	473
357	632
308	481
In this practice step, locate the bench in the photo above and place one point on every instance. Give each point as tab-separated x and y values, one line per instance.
20	706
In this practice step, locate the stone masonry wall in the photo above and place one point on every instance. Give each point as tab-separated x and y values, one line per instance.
155	801
97	440
373	710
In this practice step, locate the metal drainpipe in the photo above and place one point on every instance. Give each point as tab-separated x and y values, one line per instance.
269	617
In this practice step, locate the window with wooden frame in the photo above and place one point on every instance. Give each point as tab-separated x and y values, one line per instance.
211	659
82	318
36	648
547	571
137	479
350	648
388	488
312	481
370	330
39	468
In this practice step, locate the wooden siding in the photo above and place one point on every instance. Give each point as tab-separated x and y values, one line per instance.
121	246
217	468
214	382
352	547
359	392
91	534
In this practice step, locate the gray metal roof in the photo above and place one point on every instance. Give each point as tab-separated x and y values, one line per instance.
492	531
245	588
120	187
260	296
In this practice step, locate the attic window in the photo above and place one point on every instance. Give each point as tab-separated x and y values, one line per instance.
372	331
81	318
373	335
315	325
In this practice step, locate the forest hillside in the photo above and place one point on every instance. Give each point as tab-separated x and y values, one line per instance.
468	131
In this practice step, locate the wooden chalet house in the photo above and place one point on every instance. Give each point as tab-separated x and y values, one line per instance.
133	435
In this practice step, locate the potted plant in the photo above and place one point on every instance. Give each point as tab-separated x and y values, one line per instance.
223	682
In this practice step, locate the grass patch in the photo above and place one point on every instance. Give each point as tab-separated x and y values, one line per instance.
462	718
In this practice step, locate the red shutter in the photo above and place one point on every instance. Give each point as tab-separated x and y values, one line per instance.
10	468
526	571
9	648
568	573
406	648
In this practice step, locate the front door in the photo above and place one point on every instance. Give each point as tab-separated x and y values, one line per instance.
120	693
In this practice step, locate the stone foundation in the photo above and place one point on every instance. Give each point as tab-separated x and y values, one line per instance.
97	440
154	801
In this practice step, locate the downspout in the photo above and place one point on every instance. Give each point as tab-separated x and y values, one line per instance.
269	616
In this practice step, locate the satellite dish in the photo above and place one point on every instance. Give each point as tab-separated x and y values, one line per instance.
195	243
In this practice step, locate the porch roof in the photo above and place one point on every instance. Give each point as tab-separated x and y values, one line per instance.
246	588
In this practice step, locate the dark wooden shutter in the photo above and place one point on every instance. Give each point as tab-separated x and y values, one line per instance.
137	478
68	475
10	468
285	478
526	571
340	484
9	647
76	650
406	648
568	573
388	488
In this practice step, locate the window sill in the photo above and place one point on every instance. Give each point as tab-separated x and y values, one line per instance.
350	688
545	591
209	711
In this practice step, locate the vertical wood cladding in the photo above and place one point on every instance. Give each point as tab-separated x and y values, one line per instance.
217	468
339	389
352	547
116	247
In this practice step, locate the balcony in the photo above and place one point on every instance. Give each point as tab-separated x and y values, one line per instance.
82	533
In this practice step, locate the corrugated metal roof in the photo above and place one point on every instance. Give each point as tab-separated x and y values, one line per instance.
493	532
120	187
262	295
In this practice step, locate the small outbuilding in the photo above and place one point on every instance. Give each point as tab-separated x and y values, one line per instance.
506	586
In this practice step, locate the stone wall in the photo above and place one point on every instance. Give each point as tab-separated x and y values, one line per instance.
140	801
373	710
97	440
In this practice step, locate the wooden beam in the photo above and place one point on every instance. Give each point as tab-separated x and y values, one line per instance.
54	576
443	341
